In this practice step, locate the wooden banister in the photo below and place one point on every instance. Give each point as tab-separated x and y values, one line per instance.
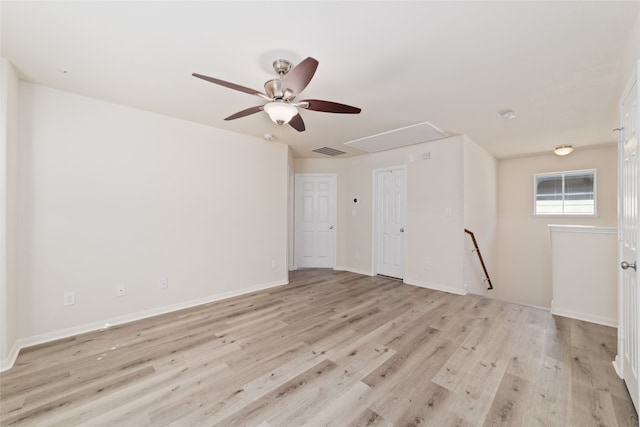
477	249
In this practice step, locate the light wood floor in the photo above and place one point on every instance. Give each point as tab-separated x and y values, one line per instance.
330	348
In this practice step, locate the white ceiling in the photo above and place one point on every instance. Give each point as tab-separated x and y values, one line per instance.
453	64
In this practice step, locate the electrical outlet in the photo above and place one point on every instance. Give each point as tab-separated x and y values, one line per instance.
69	298
121	291
164	283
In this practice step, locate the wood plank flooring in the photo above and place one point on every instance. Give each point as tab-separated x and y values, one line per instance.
329	349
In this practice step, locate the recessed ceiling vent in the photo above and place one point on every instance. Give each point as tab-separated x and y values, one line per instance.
328	151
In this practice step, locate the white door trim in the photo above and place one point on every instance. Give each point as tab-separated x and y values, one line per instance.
375	215
291	264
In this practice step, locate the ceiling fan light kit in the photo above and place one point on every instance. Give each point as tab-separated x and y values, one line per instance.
281	91
280	112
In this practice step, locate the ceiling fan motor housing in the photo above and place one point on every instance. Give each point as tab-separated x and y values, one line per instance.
273	88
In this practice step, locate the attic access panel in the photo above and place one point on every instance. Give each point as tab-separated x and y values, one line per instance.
408	135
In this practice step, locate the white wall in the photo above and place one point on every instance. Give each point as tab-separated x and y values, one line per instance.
111	195
524	248
8	209
480	216
435	238
434	241
630	57
584	271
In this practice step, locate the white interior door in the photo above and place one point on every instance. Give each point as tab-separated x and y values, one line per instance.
629	297
315	221
390	207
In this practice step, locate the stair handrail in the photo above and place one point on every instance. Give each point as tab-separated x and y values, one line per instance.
477	250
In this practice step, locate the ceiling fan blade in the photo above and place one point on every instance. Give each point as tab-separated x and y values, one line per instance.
328	106
231	85
297	123
300	76
246	112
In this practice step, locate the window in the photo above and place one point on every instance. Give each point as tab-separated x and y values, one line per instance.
565	193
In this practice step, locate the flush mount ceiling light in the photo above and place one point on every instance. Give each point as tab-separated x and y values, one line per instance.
280	112
563	150
508	114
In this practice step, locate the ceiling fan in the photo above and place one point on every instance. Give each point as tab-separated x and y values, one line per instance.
281	92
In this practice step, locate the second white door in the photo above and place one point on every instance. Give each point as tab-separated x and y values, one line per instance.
315	221
390	207
629	233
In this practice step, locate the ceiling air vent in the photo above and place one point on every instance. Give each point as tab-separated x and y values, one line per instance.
328	151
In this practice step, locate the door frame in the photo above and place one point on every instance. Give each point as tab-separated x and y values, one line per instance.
291	264
375	217
334	190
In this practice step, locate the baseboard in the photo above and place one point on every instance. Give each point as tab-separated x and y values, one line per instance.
617	367
104	324
539	307
353	270
510	301
421	284
11	357
600	320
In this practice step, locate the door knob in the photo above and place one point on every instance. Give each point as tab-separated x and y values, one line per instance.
625	265
331	227
402	230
